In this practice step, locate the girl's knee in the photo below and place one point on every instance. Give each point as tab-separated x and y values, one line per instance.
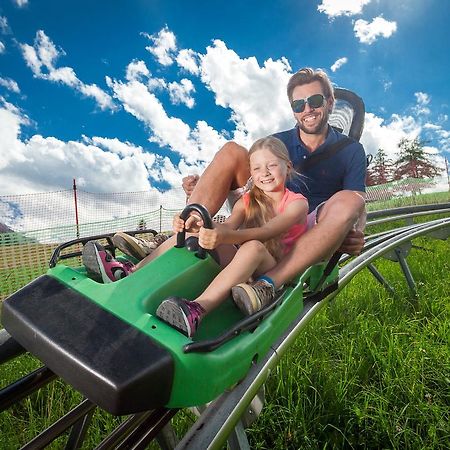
253	246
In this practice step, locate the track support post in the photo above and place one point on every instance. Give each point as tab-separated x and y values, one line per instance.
238	439
374	271
406	270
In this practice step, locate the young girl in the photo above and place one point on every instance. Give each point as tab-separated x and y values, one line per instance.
265	222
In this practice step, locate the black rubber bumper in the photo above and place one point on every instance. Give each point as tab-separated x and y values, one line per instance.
110	362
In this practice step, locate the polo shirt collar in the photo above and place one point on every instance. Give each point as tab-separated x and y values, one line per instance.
332	137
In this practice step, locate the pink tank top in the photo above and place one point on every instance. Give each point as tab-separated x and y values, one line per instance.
297	229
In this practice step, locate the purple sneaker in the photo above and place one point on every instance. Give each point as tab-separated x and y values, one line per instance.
101	266
181	314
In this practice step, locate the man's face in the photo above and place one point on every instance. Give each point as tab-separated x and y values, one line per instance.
312	120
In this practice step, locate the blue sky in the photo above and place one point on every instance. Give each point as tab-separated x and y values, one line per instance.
133	95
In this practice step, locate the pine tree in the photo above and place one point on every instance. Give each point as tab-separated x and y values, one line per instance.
414	161
381	169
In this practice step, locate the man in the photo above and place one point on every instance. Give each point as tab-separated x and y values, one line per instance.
334	187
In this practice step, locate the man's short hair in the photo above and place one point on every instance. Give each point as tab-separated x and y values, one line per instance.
306	76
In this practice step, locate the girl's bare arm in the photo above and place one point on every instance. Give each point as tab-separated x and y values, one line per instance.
295	212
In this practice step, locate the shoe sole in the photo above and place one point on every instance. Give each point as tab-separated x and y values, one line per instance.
91	260
126	244
171	313
244	296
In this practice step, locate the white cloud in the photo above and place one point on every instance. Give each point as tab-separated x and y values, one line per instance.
10	123
137	70
339	63
4	27
368	32
334	8
164	46
65	75
166	131
2	47
423	100
188	60
181	92
155	84
255	94
21	3
51	162
41	58
442	136
101	97
10	84
379	133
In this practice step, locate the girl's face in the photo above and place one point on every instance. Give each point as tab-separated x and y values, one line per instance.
268	172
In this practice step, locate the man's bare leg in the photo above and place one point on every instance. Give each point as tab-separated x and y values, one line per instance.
337	217
228	170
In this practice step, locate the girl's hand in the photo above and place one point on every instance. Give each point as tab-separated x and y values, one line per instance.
209	239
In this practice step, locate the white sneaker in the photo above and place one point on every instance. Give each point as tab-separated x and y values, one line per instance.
251	298
137	247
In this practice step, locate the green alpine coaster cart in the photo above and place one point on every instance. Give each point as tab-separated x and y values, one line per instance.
105	340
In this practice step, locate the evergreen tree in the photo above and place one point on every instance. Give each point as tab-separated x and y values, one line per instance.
381	169
414	161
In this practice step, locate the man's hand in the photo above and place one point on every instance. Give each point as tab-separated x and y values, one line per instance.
353	243
189	184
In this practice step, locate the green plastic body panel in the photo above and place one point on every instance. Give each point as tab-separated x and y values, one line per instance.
199	377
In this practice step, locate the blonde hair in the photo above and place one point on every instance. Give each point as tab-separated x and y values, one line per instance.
260	209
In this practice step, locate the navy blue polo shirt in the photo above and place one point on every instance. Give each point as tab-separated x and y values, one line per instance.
344	170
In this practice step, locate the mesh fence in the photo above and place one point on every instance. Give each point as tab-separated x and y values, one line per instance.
43	221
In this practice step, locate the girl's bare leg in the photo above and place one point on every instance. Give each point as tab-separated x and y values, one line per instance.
251	257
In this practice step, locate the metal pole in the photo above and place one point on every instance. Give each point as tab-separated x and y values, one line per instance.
78	433
76	207
9	348
25	386
446	170
406	271
60	426
374	271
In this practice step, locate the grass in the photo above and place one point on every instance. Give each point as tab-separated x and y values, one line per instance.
370	371
423	199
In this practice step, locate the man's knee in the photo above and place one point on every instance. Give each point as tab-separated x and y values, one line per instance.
345	206
234	157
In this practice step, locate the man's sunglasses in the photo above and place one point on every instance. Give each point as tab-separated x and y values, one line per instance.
315	101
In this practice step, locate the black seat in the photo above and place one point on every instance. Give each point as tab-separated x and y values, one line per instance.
348	113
